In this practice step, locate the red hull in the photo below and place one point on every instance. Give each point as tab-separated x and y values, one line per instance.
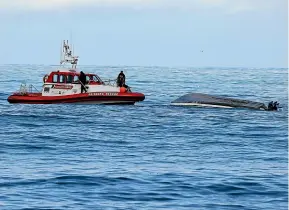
97	98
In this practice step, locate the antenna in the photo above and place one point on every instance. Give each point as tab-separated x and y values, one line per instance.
61	50
72	52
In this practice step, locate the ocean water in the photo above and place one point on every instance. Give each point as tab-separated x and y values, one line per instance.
150	155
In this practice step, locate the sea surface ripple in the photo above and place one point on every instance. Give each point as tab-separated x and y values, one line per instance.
150	155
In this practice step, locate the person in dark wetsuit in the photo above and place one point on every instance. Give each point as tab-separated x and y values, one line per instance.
82	79
273	106
121	79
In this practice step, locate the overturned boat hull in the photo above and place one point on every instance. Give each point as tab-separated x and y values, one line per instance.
205	100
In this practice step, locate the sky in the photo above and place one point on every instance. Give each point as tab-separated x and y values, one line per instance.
194	33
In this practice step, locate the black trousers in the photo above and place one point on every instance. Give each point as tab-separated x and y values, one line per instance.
83	89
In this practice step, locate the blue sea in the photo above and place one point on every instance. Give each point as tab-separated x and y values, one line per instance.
151	155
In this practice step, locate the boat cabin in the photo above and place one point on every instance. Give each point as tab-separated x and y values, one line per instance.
71	77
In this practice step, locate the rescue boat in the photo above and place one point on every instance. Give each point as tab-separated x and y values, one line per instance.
63	86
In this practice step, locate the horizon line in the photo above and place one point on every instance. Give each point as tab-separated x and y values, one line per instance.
164	66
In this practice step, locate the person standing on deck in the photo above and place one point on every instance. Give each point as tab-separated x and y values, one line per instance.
82	79
121	79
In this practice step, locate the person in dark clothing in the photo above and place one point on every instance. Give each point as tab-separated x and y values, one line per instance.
273	106
121	79
82	79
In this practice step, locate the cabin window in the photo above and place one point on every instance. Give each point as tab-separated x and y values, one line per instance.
75	79
62	79
55	78
87	78
69	79
95	79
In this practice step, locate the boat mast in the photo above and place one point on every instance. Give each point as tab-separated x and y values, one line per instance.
67	55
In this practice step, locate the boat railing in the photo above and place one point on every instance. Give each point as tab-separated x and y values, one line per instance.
31	87
23	90
111	82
